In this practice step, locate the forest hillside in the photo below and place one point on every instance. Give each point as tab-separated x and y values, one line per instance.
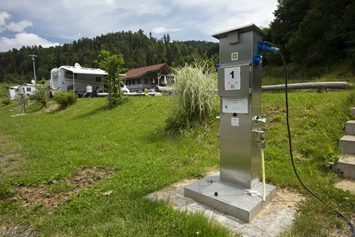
316	37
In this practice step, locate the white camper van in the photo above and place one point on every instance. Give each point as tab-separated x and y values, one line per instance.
77	78
14	91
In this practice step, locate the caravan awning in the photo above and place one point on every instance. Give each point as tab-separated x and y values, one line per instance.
83	70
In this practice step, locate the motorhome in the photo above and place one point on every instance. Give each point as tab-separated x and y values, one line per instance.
77	78
27	89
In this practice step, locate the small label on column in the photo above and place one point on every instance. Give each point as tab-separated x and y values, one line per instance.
235	105
235	122
234	56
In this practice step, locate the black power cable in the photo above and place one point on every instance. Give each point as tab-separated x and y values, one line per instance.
291	155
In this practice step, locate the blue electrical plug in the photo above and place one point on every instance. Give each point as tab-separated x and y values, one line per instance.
257	59
267	47
263	47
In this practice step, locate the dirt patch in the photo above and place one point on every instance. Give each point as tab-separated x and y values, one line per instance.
15	230
51	107
53	194
347	185
15	109
286	197
9	163
6	157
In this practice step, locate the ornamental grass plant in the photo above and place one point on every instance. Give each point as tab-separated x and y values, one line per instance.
195	100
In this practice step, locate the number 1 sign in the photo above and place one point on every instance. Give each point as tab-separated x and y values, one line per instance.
232	78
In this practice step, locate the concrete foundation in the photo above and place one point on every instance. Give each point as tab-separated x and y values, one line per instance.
228	198
17	115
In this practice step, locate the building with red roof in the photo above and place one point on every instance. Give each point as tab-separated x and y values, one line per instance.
142	78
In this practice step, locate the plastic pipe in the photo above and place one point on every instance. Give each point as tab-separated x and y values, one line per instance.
263	173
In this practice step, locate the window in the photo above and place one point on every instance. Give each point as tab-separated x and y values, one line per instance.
98	79
139	81
55	74
69	74
28	89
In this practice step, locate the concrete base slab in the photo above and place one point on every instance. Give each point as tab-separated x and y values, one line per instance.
229	198
17	115
345	166
273	220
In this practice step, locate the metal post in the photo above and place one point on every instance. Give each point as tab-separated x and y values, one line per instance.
73	84
119	84
34	66
23	99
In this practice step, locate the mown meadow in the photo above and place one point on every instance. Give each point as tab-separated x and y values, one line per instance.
47	146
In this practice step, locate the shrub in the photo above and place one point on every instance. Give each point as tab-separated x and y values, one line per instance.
196	100
41	93
6	101
114	98
64	99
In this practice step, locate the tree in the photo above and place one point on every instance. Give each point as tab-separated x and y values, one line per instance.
137	48
288	15
111	63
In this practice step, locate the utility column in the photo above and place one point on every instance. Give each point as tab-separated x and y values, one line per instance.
236	190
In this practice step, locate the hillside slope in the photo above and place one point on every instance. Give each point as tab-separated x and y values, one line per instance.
49	147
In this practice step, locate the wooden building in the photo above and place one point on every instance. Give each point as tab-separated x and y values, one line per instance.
148	77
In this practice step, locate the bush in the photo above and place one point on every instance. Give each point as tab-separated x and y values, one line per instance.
196	100
41	94
114	98
6	101
64	99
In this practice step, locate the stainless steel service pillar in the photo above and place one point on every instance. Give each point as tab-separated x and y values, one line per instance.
239	88
236	190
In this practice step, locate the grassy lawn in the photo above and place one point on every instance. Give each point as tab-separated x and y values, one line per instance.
42	149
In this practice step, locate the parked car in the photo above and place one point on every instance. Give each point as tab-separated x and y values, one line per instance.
100	93
125	89
152	92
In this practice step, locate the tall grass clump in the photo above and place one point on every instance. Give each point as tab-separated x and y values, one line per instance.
195	97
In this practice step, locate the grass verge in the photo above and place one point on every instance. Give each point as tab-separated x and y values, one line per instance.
130	140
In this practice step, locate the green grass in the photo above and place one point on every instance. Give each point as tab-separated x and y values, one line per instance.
275	75
130	140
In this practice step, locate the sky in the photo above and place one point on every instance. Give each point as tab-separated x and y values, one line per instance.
55	22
